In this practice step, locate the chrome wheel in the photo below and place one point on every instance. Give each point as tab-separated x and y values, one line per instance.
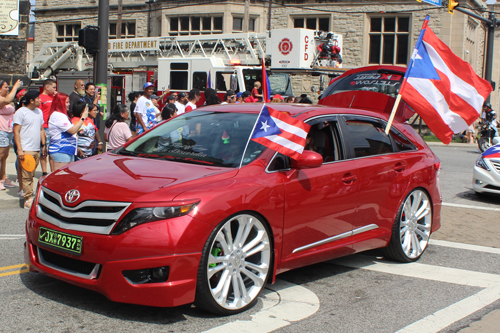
412	228
236	263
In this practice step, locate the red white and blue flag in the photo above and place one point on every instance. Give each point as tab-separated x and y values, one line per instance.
266	86
280	132
442	88
492	152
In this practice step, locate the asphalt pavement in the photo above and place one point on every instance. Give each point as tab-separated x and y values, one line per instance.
454	287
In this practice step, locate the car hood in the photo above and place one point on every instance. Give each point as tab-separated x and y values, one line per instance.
111	177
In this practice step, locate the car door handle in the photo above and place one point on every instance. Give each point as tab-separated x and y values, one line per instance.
349	179
400	167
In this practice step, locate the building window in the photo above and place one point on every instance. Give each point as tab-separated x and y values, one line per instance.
67	32
194	25
389	40
314	23
128	30
470	42
238	24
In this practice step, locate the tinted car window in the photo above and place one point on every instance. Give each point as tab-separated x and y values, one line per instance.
402	143
368	138
382	81
210	138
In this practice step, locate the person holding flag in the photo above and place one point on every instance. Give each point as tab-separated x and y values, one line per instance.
266	86
442	88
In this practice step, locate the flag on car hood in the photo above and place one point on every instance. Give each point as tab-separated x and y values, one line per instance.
280	132
442	88
492	152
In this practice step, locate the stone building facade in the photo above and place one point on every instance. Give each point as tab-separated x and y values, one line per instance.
374	31
13	49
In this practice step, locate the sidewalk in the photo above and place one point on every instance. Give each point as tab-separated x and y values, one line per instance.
9	197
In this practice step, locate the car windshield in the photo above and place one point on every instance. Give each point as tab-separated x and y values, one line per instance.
382	81
209	138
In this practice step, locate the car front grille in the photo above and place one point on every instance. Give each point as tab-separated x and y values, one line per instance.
492	187
89	216
80	268
496	165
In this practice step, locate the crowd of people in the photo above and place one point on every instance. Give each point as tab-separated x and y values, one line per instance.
54	129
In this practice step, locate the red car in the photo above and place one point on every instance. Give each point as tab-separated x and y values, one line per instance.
192	211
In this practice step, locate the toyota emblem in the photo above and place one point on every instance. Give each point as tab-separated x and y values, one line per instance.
72	196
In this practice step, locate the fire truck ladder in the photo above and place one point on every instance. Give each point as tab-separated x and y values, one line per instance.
246	48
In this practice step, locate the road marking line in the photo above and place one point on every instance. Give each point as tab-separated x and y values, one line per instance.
423	271
443	318
11	236
5	268
18	271
463	246
469	206
293	303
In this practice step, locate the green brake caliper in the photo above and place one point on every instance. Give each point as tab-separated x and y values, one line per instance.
215	252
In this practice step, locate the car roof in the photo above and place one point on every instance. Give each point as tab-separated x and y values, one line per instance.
299	111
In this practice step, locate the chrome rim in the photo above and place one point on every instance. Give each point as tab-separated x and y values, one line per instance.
415	224
238	262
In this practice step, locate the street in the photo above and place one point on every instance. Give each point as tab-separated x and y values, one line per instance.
454	287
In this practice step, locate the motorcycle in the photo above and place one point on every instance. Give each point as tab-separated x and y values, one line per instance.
488	136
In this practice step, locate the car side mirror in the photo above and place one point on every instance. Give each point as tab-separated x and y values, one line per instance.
308	160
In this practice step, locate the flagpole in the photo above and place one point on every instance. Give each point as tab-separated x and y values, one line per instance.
251	133
410	65
393	114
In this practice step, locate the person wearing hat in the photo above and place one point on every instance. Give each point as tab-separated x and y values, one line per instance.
29	136
145	112
239	98
229	97
305	100
181	102
277	99
6	135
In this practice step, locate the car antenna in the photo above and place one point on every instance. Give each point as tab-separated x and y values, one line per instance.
353	97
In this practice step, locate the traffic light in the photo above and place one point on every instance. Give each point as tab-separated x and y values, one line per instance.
88	37
451	5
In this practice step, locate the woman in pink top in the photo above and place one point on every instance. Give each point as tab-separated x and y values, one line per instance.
6	134
117	132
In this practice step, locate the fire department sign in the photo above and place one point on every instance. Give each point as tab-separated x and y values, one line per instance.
285	46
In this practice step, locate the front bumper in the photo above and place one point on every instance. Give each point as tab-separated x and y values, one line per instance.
143	248
484	181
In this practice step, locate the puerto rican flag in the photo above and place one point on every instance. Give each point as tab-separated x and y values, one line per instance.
280	132
492	152
442	88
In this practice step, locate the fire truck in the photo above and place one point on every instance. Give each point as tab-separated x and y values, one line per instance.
181	63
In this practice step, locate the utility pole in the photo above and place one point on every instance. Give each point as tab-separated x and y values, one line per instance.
101	60
269	16
119	20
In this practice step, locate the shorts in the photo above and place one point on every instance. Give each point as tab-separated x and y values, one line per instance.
62	157
6	139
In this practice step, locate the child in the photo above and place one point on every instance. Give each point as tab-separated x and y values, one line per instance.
255	91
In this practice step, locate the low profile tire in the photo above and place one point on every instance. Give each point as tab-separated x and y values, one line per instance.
412	228
235	265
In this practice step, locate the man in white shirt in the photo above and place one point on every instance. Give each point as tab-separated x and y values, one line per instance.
181	103
145	112
28	134
229	97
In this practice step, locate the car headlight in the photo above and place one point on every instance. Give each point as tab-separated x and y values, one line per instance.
150	214
482	164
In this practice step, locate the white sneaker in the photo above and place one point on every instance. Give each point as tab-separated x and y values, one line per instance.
21	193
1	186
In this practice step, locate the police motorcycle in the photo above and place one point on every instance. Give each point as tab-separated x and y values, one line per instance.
488	134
